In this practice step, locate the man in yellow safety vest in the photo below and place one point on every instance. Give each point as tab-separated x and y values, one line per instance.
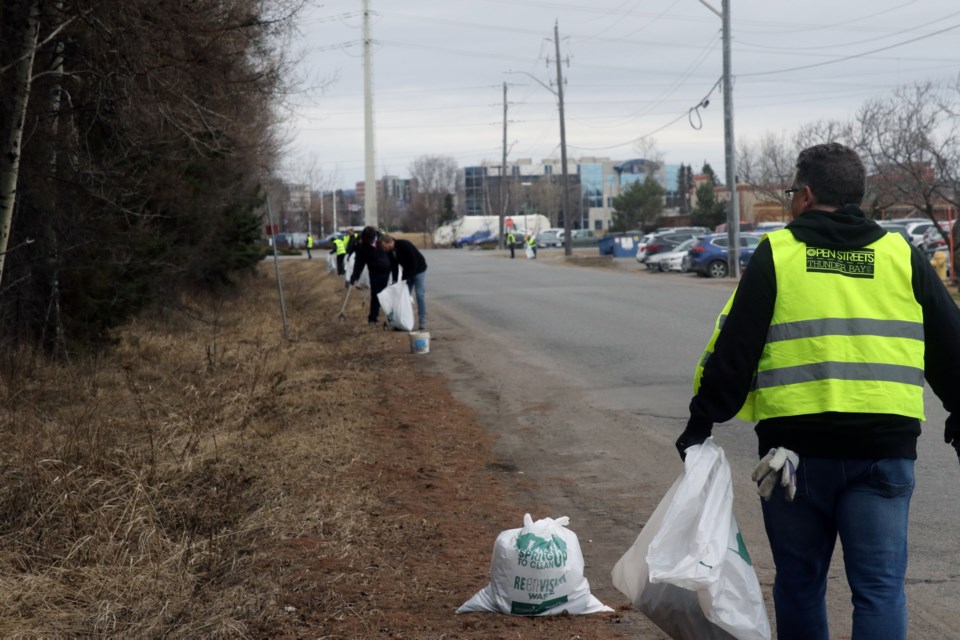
826	344
340	249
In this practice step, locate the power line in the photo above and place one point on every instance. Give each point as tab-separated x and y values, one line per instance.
850	57
848	44
689	114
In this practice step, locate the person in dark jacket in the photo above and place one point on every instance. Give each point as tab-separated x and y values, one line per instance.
369	253
826	343
405	254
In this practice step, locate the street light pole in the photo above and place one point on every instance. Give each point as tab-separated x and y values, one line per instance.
567	226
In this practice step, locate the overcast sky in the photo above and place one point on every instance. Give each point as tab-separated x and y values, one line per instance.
633	69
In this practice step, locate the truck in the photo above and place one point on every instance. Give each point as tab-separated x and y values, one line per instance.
446	235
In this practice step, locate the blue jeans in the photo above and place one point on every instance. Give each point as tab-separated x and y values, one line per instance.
866	503
417	285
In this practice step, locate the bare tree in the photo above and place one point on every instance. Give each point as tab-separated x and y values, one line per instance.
823	131
435	178
767	166
546	197
24	36
906	139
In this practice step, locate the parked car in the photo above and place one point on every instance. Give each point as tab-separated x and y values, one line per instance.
709	255
767	227
744	227
473	238
654	243
916	228
549	238
933	239
579	238
326	242
698	230
672	260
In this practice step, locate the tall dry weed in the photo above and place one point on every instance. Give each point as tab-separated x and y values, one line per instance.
140	489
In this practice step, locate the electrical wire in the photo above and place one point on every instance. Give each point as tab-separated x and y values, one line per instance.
850	57
694	110
846	44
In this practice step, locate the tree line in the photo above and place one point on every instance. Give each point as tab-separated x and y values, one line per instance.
137	138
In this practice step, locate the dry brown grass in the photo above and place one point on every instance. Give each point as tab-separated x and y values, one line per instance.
210	478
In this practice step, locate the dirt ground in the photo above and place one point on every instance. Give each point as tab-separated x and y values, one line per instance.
431	501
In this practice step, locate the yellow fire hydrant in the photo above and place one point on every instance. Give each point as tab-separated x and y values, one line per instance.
939	263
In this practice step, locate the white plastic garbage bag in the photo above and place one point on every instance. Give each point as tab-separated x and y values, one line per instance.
528	250
536	570
689	570
331	262
396	302
363	282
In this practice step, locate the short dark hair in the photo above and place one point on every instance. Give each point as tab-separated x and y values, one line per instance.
834	173
368	235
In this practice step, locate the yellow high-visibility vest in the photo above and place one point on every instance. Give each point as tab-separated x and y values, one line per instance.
846	333
341	245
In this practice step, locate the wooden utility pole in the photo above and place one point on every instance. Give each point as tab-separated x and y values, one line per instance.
567	214
370	182
503	168
733	210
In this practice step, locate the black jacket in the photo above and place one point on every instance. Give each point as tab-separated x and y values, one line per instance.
406	255
729	371
374	258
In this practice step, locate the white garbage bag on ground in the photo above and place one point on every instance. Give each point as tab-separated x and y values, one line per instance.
397	304
536	570
689	570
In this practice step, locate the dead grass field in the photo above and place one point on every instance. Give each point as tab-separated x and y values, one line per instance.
210	478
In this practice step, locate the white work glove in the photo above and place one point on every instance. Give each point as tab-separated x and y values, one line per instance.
780	463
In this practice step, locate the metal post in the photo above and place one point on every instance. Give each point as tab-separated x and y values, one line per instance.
733	208
276	266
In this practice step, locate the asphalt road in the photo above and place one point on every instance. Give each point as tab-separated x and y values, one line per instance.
585	374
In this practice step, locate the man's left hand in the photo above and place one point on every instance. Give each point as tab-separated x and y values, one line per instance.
689	438
951	433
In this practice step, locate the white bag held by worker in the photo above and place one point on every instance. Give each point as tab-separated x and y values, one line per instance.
363	282
689	570
529	251
536	570
331	263
397	303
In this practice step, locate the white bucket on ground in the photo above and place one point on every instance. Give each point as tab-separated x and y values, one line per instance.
419	341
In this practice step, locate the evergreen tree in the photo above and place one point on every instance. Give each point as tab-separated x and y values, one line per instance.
709	211
707	169
640	204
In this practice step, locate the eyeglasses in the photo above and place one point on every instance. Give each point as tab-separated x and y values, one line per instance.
792	190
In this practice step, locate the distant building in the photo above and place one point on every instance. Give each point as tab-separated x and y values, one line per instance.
593	182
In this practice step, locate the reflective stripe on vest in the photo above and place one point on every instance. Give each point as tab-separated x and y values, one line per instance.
857	350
